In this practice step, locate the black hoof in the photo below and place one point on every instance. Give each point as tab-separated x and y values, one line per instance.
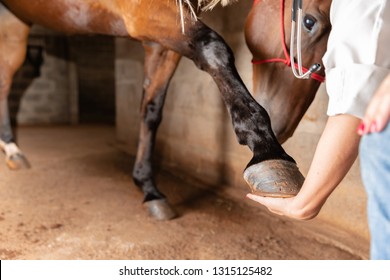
18	161
275	178
160	209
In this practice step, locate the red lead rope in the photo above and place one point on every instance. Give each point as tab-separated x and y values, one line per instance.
286	59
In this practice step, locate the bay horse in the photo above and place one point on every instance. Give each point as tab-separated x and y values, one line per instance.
156	25
285	98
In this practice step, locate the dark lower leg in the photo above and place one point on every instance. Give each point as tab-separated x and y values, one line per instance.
271	171
6	134
160	65
250	121
143	172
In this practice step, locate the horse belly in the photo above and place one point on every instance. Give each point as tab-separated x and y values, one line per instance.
71	16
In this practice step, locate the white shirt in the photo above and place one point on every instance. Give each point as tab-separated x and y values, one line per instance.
358	54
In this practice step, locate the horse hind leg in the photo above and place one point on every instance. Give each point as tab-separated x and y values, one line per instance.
160	64
13	42
14	157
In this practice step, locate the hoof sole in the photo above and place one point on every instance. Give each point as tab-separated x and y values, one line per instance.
274	178
160	209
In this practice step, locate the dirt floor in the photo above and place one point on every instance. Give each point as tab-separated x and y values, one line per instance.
79	202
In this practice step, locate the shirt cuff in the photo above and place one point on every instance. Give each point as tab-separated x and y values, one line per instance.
350	88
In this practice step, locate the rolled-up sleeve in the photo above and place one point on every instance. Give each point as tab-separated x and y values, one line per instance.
358	54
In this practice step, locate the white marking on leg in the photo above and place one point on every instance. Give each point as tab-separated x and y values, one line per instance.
10	149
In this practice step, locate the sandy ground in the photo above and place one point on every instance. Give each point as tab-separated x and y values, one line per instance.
79	202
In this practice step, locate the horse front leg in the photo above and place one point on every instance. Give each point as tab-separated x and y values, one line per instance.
13	43
271	171
160	65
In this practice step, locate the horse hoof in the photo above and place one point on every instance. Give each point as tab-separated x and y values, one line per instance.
160	209
18	161
274	178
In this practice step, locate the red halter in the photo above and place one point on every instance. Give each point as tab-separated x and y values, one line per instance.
286	59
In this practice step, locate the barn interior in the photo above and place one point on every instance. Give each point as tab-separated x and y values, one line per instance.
80	95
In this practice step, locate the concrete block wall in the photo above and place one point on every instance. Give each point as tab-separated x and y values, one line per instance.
196	137
76	81
128	84
43	99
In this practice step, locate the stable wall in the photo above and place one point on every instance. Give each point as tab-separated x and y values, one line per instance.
75	83
196	136
44	97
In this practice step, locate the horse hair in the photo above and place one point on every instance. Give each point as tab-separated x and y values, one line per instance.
202	4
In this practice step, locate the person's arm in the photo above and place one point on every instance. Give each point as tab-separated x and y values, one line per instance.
378	111
334	156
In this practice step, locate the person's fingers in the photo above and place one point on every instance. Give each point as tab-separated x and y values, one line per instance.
382	114
274	205
362	127
259	199
378	111
368	123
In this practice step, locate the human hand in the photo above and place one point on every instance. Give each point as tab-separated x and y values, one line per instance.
338	146
289	207
378	111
